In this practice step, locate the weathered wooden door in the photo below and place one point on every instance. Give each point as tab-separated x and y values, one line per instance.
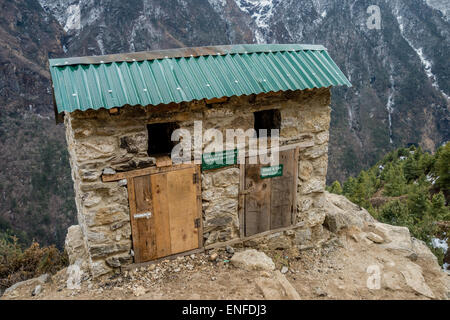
165	213
269	202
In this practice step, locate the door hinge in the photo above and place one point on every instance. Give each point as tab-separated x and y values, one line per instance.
197	223
195	178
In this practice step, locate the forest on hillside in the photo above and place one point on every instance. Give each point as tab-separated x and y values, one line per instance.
411	188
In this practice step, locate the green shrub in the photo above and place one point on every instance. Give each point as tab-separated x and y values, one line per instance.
18	265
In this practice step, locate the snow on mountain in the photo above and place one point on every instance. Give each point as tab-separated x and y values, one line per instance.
261	12
426	63
441	5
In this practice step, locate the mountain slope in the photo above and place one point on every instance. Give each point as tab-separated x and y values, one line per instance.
35	186
401	78
401	73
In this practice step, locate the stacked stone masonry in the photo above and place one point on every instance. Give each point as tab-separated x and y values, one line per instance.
99	141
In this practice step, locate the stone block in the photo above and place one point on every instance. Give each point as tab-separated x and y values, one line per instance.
314	152
304	203
90	175
226	177
96	148
322	137
134	143
99	268
302	236
99	251
106	215
314	185
75	245
320	166
119	260
227	206
305	169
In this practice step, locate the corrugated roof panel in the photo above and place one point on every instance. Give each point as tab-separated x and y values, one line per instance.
243	70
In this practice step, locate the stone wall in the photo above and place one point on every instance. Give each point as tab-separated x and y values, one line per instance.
99	141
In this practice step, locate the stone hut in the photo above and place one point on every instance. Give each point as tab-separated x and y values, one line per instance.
136	203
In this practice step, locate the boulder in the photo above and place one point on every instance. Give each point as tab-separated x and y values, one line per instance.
414	279
252	259
75	247
277	288
74	274
392	281
230	250
342	214
37	290
43	279
422	251
374	237
398	239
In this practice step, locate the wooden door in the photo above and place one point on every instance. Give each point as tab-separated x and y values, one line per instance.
257	201
183	210
282	192
165	213
269	203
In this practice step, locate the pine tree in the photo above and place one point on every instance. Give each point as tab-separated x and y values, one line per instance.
439	210
336	188
411	169
442	167
395	182
418	203
349	186
396	213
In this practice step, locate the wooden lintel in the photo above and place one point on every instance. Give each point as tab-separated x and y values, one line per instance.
163	161
300	146
142	172
272	93
217	100
114	110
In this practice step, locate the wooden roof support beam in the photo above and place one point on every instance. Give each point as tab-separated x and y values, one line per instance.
142	172
114	111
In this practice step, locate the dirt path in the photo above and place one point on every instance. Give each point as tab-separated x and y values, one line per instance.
336	270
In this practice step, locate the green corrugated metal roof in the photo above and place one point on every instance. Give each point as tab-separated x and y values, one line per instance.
162	77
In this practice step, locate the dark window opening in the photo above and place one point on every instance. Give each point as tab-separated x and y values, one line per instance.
268	119
159	138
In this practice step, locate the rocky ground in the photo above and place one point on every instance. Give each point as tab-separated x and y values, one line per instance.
358	258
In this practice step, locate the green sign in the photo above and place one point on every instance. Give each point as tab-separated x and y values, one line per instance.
271	172
217	160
